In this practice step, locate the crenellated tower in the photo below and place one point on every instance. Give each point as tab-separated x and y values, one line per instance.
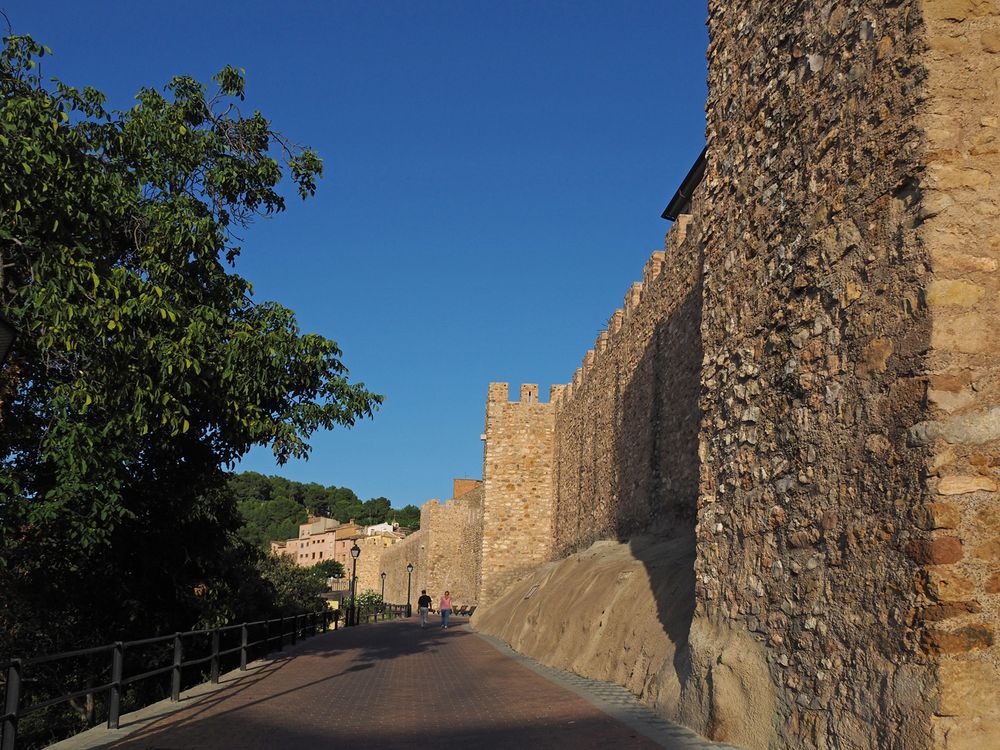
517	484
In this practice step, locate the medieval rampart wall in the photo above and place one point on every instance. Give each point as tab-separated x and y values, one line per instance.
445	552
826	326
412	550
454	546
626	427
825	313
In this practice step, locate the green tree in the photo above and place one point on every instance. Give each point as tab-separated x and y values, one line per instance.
294	590
326	569
376	510
143	365
408	517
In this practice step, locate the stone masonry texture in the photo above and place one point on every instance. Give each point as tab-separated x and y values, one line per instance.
517	483
626	428
804	388
806	381
445	552
815	335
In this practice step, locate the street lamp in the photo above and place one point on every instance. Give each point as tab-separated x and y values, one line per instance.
7	336
355	551
409	572
383	587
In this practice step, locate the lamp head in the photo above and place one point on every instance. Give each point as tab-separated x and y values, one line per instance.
355	551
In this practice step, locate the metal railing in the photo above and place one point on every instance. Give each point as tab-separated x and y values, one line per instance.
302	626
370	613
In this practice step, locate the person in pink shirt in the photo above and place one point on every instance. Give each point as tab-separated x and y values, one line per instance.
445	609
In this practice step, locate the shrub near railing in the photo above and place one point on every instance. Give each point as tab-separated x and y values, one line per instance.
288	629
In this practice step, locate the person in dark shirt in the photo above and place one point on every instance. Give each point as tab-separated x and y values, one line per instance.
424	605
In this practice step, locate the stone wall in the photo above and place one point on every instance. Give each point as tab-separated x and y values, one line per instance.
961	233
445	552
454	546
517	487
412	550
837	283
371	561
815	336
626	427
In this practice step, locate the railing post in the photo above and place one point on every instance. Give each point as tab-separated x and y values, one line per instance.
326	620
244	639
175	681
281	632
215	656
11	704
295	629
115	700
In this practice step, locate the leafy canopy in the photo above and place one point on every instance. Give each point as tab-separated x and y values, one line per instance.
141	353
143	367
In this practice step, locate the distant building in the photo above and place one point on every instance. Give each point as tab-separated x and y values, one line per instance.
315	543
322	538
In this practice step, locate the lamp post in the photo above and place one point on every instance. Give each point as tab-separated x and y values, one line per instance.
383	587
409	572
7	336
355	551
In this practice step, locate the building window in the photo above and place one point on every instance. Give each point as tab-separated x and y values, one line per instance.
321	554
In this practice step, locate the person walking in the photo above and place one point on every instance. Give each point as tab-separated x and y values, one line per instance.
445	608
424	605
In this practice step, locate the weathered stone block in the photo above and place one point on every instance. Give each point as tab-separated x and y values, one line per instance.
968	334
949	584
990	552
948	610
992	585
963	485
939	551
932	516
974	428
958	10
944	292
875	357
962	688
958	641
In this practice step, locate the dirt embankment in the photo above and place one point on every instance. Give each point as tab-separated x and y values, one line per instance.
623	612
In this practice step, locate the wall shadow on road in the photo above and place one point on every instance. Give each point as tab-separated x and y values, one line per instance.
584	729
384	640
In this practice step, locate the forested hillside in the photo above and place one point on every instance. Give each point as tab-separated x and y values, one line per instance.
273	507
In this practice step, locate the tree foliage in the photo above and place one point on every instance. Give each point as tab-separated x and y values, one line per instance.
143	366
294	590
327	569
273	507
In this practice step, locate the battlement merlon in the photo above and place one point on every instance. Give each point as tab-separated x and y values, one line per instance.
499	393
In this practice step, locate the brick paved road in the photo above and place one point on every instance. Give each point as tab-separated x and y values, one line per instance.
395	685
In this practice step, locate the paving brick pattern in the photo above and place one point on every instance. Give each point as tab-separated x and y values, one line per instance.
395	685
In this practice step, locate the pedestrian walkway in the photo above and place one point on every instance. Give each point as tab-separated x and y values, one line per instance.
390	686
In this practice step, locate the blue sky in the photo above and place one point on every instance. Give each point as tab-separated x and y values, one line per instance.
495	174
